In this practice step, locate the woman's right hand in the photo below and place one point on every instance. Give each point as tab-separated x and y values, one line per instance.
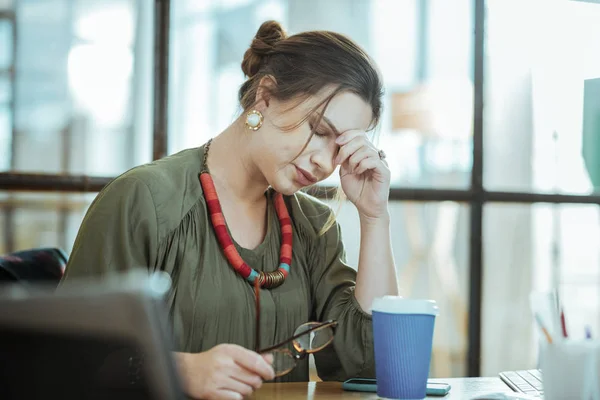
227	371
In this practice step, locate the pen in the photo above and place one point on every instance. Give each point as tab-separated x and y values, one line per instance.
543	328
563	324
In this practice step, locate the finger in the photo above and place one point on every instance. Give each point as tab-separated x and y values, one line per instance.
351	147
359	155
236	386
268	358
253	362
367	164
348	136
247	377
225	394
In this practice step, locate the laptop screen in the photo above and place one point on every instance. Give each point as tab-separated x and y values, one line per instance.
36	365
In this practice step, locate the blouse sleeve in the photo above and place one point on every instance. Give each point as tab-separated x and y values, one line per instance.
118	233
333	282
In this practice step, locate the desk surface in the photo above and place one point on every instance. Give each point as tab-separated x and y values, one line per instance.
462	388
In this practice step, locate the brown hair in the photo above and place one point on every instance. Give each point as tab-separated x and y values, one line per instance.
305	63
302	65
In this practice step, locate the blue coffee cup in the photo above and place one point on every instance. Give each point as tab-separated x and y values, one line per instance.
403	338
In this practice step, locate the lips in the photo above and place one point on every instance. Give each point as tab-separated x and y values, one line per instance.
304	177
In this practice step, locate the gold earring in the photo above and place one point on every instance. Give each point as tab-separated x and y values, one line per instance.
254	120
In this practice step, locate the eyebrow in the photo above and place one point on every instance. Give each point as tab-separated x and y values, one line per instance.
331	125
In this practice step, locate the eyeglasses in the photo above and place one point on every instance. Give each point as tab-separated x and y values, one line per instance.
308	338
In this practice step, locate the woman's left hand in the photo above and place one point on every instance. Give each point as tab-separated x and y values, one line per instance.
365	176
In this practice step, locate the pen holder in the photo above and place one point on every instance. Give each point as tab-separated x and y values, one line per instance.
570	370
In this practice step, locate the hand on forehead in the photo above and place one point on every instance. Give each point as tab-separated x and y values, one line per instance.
345	111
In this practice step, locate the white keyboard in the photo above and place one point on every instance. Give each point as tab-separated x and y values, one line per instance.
527	381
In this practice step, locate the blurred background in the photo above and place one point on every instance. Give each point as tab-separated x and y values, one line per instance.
491	128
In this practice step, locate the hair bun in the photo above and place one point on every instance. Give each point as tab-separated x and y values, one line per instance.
269	33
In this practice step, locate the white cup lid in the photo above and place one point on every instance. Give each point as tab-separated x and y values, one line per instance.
399	305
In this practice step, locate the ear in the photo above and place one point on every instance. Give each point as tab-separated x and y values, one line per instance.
266	86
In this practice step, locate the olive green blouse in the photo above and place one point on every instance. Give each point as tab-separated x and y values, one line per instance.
154	216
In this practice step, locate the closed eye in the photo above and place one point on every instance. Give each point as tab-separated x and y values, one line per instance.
318	132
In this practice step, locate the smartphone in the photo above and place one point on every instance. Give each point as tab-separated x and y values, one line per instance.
370	385
437	389
360	385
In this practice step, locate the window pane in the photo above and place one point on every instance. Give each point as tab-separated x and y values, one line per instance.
6	5
43	220
87	108
536	248
427	121
430	244
5	137
5	90
6	45
542	105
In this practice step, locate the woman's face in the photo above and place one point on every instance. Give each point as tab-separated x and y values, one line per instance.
278	149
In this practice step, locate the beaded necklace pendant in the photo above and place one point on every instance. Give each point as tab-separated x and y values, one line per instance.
266	280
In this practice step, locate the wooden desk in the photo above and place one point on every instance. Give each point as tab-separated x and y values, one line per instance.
462	388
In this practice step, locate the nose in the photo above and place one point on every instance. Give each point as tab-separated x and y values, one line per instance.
323	158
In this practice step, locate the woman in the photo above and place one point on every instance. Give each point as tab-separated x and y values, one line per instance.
308	101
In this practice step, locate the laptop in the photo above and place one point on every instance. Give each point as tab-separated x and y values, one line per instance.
91	339
525	381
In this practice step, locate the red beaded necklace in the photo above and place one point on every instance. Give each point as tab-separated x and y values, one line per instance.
266	280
